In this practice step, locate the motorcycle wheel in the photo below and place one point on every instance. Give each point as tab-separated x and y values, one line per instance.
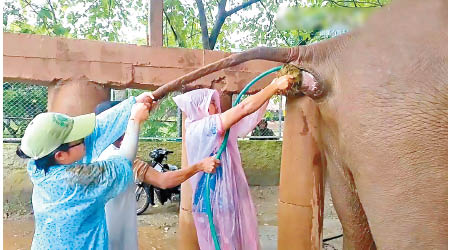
144	197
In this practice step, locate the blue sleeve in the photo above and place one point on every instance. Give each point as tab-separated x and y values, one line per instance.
101	180
110	125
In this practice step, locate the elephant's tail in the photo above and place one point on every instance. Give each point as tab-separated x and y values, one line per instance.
283	55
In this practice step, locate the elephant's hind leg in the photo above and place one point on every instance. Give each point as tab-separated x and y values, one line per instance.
349	209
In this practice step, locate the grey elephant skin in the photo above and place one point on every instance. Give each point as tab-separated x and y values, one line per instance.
384	126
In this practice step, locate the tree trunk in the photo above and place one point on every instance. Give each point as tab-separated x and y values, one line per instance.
203	24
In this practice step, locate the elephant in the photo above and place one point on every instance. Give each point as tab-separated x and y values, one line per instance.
382	92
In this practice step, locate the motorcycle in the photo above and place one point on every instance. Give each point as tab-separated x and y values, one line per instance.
145	193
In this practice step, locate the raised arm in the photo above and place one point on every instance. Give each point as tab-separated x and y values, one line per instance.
171	179
139	114
254	102
111	124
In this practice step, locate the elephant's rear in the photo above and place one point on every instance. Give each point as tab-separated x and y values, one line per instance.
393	123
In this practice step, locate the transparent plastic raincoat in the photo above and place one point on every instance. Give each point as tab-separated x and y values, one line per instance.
234	213
69	200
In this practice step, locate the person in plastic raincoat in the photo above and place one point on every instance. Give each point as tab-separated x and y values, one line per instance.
234	213
70	189
121	218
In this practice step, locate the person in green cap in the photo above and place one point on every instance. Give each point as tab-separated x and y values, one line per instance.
70	188
120	211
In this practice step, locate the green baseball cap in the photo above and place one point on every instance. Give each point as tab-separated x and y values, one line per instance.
47	131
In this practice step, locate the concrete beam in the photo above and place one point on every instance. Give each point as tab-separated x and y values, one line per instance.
46	60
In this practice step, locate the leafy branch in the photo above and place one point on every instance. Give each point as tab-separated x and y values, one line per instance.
209	41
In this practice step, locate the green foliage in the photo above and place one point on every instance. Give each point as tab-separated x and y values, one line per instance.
97	20
261	29
163	119
111	20
181	25
21	102
33	100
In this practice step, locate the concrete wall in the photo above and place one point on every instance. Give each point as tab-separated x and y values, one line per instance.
47	60
260	159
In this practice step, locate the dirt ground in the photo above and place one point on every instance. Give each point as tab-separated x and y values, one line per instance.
158	225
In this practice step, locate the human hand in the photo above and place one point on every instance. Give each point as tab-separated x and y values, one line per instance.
148	98
283	83
209	165
140	112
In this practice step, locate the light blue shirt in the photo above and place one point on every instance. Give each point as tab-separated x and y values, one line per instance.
69	200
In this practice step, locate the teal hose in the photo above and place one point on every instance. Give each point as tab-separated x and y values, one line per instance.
219	154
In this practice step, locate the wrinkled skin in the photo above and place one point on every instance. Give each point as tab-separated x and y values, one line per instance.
383	125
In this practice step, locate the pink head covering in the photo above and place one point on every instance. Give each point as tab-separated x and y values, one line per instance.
195	103
231	203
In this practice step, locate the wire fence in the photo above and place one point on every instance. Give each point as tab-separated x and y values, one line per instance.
23	101
271	126
164	122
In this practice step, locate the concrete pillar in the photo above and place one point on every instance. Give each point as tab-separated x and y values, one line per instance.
300	211
76	97
226	101
187	234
